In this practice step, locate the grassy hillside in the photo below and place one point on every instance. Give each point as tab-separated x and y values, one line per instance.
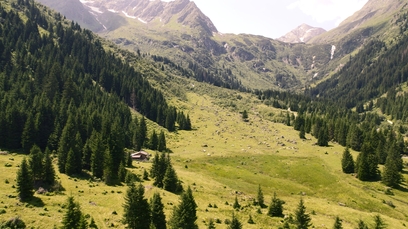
221	158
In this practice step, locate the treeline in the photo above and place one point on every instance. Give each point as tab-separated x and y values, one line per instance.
59	89
328	122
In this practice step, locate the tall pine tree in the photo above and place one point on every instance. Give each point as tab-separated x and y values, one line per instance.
25	188
136	208
302	219
157	210
185	214
347	162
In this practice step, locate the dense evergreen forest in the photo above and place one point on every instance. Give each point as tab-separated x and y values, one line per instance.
60	90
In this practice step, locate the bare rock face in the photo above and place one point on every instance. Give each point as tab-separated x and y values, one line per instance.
184	12
301	34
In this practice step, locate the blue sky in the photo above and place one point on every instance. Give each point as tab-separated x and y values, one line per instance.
274	18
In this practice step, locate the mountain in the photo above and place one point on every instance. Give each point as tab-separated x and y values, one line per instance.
179	34
301	34
182	11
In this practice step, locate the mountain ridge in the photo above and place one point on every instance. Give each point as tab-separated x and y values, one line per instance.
301	34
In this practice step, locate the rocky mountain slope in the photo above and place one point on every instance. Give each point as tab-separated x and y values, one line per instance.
179	32
301	34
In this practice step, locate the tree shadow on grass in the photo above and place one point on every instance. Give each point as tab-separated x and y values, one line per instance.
36	202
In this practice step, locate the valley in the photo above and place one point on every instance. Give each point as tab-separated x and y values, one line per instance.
230	115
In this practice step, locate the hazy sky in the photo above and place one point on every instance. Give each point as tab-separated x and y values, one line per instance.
274	18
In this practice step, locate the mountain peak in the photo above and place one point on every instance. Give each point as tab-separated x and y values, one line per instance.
301	34
184	12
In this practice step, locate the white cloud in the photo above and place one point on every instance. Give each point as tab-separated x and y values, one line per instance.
328	10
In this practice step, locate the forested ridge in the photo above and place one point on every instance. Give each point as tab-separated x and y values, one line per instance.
369	74
60	90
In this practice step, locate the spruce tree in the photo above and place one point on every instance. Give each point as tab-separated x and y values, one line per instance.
391	175
361	225
379	223
48	173
29	134
236	204
154	140
141	134
36	163
347	162
276	207
67	141
136	208
161	146
157	210
260	197
25	188
73	217
301	217
235	224
170	180
185	214
337	223
97	157
108	171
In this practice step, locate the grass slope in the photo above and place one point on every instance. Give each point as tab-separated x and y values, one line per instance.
221	158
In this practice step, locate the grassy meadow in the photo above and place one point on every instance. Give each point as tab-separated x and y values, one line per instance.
221	158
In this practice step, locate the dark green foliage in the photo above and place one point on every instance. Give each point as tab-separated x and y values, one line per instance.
260	197
25	188
367	164
161	146
236	205
302	132
36	163
141	134
73	217
66	143
154	141
302	219
13	223
92	224
108	171
235	224
347	162
185	214
48	174
157	210
29	134
287	122
276	207
250	220
136	208
60	87
97	157
323	136
391	175
170	180
361	225
164	174
379	223
337	223
211	224
183	121
122	173
145	175
355	138
244	115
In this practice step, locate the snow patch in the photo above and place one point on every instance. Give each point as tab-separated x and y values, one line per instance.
113	11
332	52
127	15
141	20
85	2
95	9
